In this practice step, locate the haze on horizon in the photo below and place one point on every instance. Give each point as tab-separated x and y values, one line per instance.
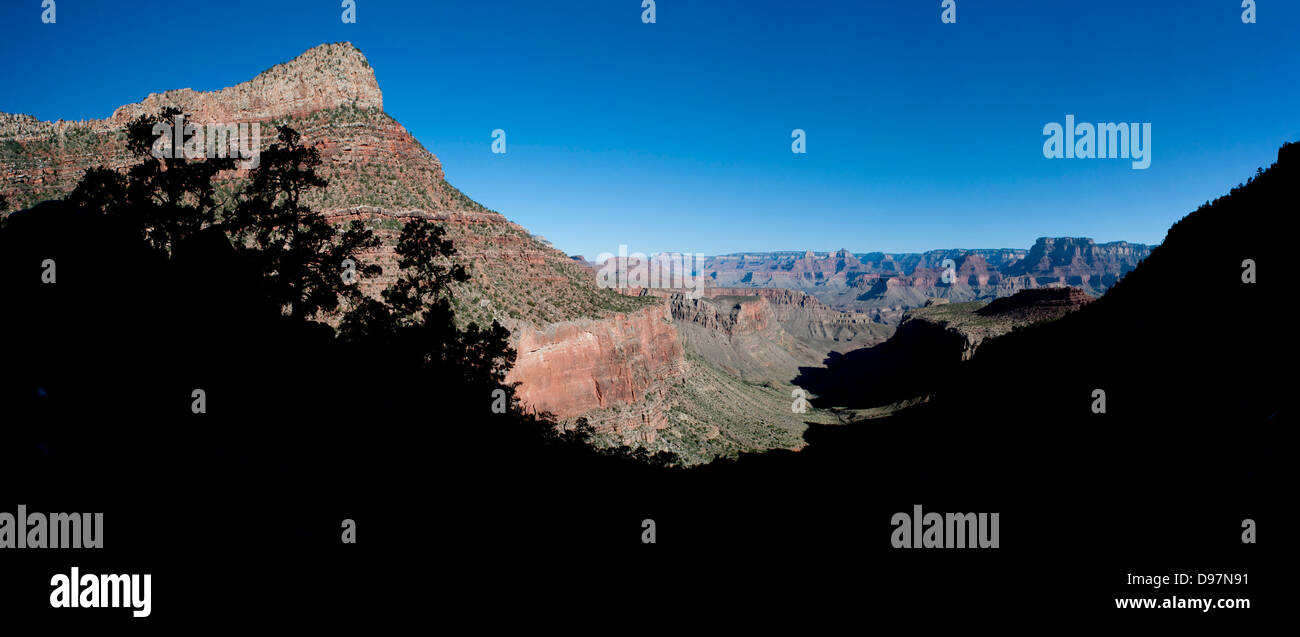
675	136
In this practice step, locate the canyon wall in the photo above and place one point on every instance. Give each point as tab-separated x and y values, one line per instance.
814	323
580	347
573	367
726	315
884	286
742	336
799	314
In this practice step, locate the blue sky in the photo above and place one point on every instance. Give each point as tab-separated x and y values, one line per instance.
676	135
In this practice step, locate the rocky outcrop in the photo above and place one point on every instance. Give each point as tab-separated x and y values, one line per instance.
573	367
322	78
1037	304
42	159
378	172
742	336
804	317
965	326
799	314
730	391
727	315
1078	262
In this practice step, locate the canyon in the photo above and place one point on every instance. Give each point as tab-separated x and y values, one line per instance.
799	314
703	375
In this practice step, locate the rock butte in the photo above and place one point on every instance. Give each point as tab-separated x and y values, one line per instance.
579	347
885	286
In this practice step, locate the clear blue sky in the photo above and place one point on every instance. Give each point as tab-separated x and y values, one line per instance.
676	135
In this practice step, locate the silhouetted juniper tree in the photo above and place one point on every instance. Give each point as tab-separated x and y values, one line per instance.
169	199
416	315
301	255
101	189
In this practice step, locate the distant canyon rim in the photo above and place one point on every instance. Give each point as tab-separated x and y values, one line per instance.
705	375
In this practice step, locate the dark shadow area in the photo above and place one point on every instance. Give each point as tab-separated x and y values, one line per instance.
907	365
390	421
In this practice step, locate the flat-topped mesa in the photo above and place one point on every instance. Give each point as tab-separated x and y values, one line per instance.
1079	256
1037	303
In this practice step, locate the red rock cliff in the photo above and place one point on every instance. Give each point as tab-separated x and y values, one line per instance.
573	367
